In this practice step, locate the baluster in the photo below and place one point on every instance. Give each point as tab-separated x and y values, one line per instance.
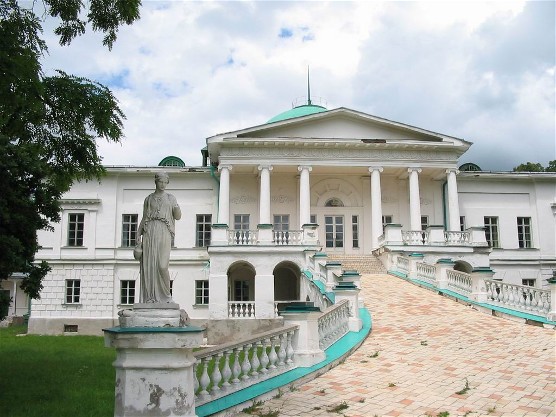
281	350
236	368
196	378
226	371
245	365
216	374
273	357
255	363
289	349
527	298
264	357
205	380
534	300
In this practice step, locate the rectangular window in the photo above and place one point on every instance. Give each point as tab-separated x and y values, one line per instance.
241	290
387	219
281	222
334	231
355	230
313	218
204	222
129	230
491	231
241	222
528	282
424	222
73	291
76	225
127	292
462	223
202	292
171	287
524	232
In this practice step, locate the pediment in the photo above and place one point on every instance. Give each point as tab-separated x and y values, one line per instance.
345	124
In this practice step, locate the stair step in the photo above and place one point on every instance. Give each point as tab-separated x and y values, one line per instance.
364	264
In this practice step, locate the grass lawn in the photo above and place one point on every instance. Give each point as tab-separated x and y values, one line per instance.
55	376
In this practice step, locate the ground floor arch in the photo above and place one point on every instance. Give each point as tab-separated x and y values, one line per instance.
286	281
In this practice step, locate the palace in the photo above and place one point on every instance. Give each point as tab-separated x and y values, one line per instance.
271	198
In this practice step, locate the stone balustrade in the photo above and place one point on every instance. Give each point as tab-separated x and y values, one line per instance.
518	297
333	324
457	238
287	238
426	273
241	309
459	282
228	368
242	237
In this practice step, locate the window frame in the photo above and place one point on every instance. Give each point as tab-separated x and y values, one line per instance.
127	292
524	232
202	294
203	230
72	291
355	231
76	230
492	230
129	236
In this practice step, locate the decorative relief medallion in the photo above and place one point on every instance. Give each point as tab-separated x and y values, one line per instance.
243	199
280	199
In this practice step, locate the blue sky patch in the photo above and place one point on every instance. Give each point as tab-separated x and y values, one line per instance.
285	33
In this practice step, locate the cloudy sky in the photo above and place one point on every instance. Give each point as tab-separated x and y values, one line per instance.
480	71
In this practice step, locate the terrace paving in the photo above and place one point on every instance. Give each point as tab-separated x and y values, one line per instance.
422	353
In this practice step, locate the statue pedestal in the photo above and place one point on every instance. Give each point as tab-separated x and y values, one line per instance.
153	315
154	370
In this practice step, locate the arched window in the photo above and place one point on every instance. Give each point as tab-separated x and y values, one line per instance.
171	161
334	202
470	166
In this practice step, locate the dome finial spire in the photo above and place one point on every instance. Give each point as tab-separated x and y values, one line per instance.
308	88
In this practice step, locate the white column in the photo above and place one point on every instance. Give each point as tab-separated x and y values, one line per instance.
304	195
224	196
376	206
414	199
453	202
264	194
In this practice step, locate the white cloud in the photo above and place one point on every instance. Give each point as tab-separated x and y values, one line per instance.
189	70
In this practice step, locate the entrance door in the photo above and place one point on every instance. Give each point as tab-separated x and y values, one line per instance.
334	232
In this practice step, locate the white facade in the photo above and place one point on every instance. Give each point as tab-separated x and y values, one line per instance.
262	197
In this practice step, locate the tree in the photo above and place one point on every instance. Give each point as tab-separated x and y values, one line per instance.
48	125
551	166
529	167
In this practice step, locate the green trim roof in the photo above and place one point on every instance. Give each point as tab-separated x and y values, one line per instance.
171	161
298	111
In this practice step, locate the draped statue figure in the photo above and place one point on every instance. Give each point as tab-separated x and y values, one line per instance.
157	228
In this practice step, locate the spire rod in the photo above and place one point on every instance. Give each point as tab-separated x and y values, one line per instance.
308	88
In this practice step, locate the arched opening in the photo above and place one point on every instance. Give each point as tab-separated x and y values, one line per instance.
286	281
241	282
463	266
334	202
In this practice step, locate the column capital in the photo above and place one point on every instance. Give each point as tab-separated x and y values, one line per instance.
265	166
414	169
454	170
379	169
302	167
225	166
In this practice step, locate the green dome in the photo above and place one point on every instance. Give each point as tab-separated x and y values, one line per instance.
298	111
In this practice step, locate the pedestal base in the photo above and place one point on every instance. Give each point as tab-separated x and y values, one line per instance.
153	315
154	370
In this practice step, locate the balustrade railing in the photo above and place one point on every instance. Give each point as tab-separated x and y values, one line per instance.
333	324
242	237
287	238
235	366
459	282
426	272
457	238
414	237
518	297
402	264
241	309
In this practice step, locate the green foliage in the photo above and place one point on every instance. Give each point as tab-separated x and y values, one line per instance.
48	124
340	407
551	166
464	389
536	167
62	376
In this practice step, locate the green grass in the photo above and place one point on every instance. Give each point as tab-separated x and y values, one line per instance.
55	376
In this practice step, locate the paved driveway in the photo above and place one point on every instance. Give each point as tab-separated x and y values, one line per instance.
428	355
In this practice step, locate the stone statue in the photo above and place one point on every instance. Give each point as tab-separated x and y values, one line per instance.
157	228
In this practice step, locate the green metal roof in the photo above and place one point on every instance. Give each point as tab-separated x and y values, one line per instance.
298	111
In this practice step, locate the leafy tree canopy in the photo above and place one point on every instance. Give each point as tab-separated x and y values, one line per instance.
48	124
536	167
